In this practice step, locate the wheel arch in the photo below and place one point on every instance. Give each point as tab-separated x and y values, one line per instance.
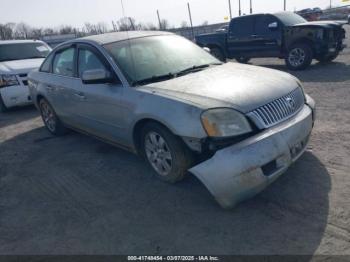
304	41
140	124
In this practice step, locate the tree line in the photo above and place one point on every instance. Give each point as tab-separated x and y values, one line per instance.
22	30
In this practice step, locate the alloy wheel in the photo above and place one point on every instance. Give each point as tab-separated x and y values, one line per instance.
158	153
48	116
297	57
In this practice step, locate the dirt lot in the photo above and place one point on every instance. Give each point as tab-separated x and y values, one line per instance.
76	195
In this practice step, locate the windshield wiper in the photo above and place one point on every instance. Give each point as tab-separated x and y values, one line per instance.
159	78
153	79
195	68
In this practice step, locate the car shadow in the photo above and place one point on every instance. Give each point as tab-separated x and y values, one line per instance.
17	115
318	72
77	195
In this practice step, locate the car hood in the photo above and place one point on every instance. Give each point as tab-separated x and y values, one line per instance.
242	87
325	24
20	66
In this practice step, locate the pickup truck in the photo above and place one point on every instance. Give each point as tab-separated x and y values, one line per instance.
285	35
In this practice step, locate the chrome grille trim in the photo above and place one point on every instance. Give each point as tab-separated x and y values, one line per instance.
278	110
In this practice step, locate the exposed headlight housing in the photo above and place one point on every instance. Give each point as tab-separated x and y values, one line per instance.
225	122
8	80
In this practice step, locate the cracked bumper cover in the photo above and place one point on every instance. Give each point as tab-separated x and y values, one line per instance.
243	170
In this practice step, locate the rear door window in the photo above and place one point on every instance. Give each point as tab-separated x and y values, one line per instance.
262	25
241	27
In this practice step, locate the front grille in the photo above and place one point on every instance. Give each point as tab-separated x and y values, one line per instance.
278	110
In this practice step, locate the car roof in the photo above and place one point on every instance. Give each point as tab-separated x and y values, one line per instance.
7	42
260	14
121	36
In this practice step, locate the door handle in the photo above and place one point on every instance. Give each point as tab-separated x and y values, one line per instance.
254	36
80	96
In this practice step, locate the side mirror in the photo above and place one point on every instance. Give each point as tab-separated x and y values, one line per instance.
96	76
207	49
273	26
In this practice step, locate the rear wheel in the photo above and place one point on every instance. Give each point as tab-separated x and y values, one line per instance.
165	153
242	59
327	58
51	121
218	53
3	107
299	57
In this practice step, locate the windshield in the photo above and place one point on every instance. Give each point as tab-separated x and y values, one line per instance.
9	52
157	56
289	18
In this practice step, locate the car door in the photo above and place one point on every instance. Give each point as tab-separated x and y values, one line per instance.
99	104
268	36
240	37
62	78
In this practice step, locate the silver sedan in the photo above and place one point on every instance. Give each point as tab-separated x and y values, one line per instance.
236	127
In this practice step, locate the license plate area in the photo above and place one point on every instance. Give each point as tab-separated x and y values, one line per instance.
299	147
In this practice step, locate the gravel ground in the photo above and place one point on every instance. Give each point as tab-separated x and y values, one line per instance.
76	195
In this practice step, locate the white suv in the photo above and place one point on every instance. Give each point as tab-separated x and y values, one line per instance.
17	59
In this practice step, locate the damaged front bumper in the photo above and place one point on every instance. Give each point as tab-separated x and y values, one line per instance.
241	171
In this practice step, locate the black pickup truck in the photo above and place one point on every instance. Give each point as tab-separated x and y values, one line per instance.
283	35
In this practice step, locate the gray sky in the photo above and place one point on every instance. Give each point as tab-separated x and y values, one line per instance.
53	13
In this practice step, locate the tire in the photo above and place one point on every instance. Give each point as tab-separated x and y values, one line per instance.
3	107
299	57
327	58
50	119
242	59
218	53
166	154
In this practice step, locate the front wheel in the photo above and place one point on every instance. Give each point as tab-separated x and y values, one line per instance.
165	153
51	121
299	57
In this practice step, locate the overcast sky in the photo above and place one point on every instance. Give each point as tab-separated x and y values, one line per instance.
53	13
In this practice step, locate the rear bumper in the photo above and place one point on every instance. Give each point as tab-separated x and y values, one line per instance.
245	169
15	95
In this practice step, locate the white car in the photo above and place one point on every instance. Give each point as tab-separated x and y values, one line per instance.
17	59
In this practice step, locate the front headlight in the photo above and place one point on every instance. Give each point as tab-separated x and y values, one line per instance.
8	80
225	122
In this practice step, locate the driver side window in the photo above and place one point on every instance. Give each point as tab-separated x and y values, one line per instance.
89	61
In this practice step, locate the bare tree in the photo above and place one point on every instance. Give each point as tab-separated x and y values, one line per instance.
90	29
66	29
22	31
49	31
6	31
148	26
205	22
164	24
101	28
184	24
37	33
126	24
